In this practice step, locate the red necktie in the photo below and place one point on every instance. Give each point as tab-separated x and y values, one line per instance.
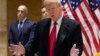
52	40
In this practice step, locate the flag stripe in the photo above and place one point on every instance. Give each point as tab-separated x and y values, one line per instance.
71	16
80	11
89	18
97	38
82	27
85	51
77	19
89	10
86	46
97	13
83	31
85	34
89	26
87	40
68	11
84	23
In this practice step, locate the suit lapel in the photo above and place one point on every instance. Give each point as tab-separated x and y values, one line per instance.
62	34
46	39
16	28
24	27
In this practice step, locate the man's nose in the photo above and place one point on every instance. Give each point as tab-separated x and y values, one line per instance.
20	12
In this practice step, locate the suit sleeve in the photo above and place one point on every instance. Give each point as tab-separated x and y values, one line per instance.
78	39
10	36
30	46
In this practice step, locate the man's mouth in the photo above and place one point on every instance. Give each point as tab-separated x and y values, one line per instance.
52	16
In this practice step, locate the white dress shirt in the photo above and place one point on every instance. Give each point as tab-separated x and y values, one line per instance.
22	23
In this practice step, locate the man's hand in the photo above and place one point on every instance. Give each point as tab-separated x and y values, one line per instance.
17	50
74	51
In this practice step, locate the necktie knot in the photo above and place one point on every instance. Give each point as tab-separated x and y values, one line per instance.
55	23
20	22
20	25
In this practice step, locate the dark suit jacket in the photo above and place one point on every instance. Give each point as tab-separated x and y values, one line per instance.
24	36
68	35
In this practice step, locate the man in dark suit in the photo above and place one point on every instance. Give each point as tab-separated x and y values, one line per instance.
21	31
57	35
66	41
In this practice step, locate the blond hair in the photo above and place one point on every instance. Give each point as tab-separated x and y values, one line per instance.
46	2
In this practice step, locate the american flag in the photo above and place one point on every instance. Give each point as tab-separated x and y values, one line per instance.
87	13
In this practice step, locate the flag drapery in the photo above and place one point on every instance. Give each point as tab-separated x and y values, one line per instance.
87	13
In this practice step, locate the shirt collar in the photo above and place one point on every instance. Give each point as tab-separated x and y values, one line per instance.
24	20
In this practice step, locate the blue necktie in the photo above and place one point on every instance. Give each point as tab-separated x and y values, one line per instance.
20	26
